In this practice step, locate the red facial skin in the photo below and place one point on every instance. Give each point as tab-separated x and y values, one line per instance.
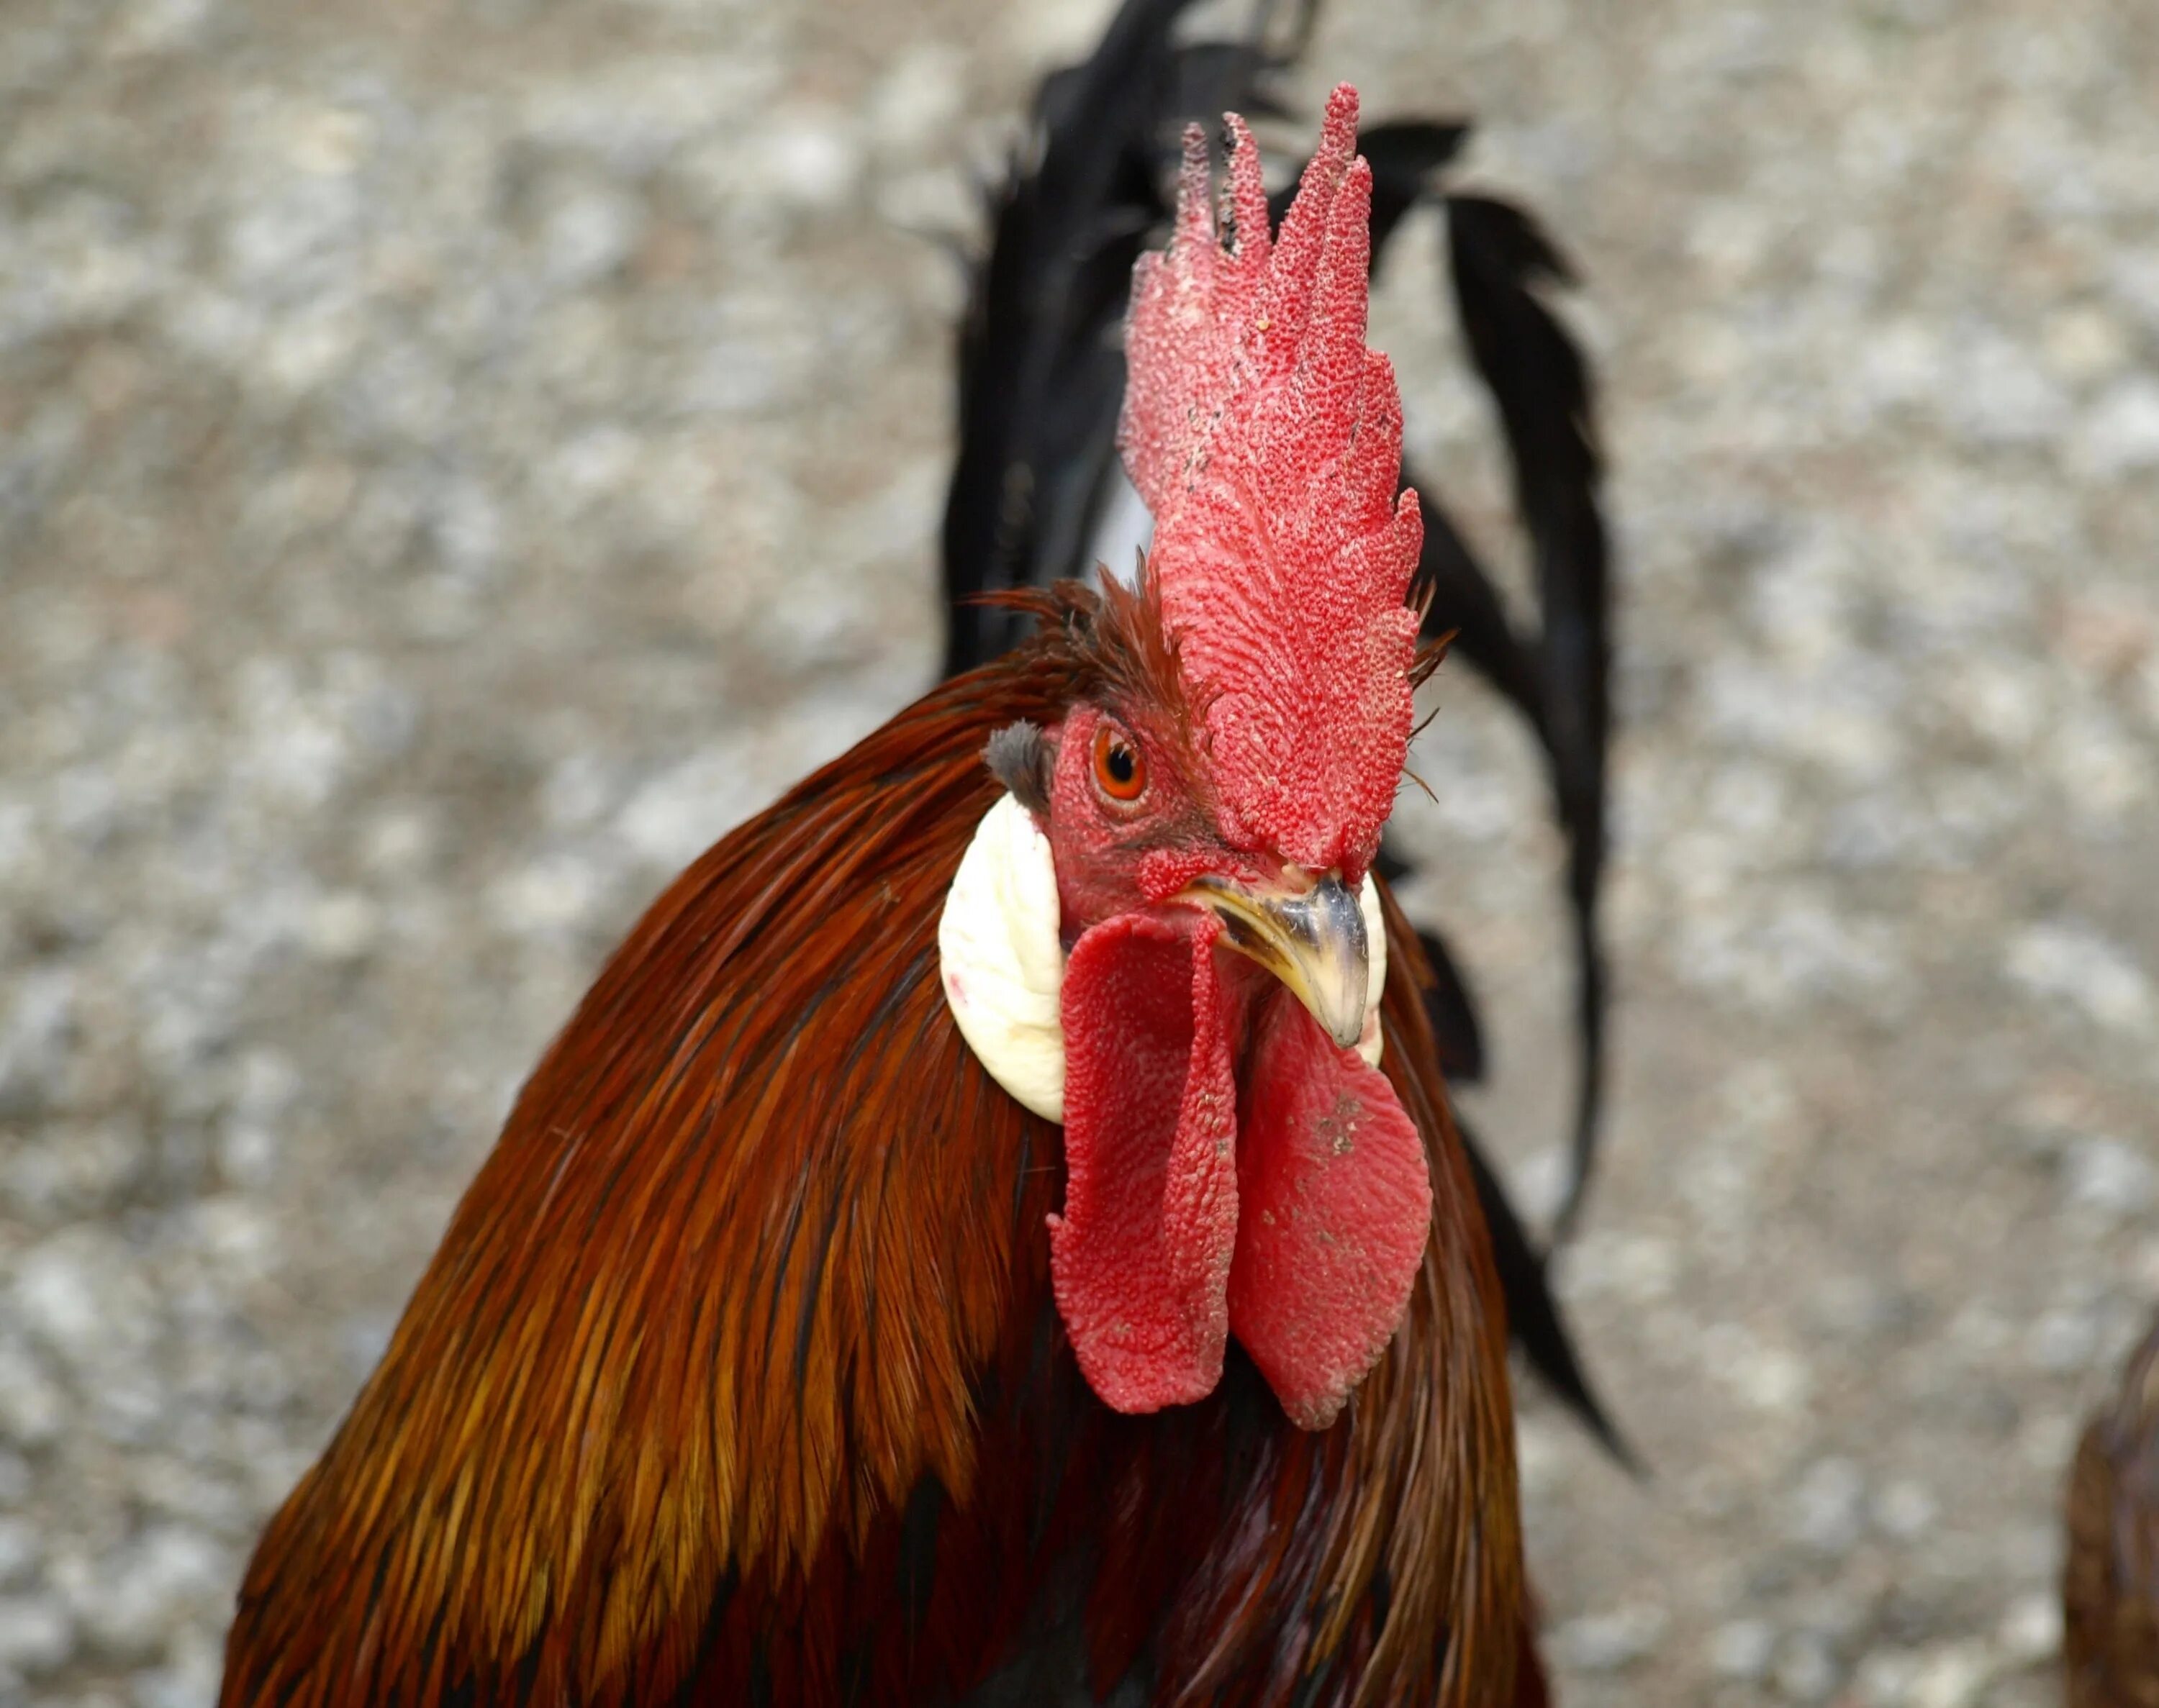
1196	1085
1115	857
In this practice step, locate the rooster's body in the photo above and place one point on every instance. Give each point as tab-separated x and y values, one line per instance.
781	1352
739	1370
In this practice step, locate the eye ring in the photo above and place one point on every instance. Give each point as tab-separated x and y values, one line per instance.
1120	776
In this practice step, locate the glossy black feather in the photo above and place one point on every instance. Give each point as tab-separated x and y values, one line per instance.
1499	260
1533	1316
1041	367
1039	376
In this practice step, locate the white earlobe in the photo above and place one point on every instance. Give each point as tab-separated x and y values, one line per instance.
1001	959
1375	970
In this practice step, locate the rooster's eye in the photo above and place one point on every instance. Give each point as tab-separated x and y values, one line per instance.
1120	772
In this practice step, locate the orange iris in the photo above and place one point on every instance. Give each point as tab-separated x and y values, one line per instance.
1120	772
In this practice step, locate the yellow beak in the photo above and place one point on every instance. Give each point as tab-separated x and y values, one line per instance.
1309	934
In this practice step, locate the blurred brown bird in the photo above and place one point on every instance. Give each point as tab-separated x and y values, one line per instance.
2110	1575
995	1232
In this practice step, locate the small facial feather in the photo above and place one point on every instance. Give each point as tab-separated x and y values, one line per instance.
1020	757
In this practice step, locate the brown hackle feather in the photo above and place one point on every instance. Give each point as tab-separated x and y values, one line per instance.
737	1375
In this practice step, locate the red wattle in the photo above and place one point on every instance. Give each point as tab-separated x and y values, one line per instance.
1300	1227
1334	1207
1140	1258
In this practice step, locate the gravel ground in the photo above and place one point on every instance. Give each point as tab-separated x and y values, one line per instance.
458	457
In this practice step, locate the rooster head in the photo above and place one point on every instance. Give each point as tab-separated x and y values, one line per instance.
1166	934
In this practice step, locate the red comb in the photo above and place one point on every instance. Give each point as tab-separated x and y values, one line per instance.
1267	441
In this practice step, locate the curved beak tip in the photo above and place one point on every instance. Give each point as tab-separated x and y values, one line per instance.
1312	940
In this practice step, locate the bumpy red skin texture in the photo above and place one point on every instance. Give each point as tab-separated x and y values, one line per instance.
1334	1208
1298	1220
1266	440
1140	1257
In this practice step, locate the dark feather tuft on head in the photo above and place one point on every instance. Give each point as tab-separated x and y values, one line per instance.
1019	758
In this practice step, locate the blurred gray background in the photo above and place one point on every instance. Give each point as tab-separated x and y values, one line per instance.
457	457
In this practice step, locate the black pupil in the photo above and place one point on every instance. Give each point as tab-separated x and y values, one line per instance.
1120	764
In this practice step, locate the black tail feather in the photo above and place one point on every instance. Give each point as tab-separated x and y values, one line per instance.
1041	367
1533	1316
1040	376
1540	381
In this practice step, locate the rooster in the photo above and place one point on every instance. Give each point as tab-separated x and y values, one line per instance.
995	1232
